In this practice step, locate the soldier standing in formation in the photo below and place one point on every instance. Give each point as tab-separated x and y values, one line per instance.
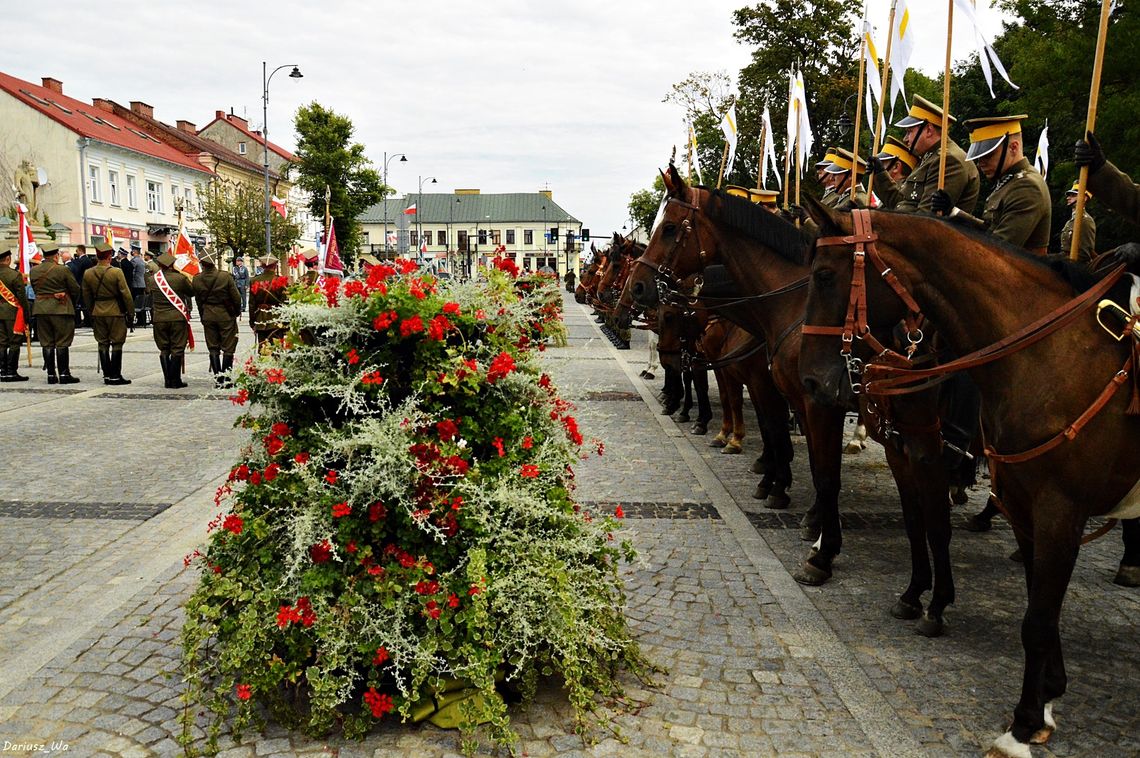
1087	249
107	298
923	138
170	291
845	168
1112	186
241	279
266	292
56	293
13	310
219	305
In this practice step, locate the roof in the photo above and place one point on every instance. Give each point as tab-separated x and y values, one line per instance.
239	123
201	144
88	121
470	209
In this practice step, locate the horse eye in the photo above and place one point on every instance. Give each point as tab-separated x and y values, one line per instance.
669	230
824	276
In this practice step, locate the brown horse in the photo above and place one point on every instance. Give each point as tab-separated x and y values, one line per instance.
1062	445
765	258
678	331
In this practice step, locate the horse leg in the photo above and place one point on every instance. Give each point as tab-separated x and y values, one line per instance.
721	439
909	605
672	392
687	382
825	449
1128	575
772	414
734	445
704	407
1053	554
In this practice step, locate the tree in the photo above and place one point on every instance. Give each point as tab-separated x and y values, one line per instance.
705	97
643	204
329	158
234	216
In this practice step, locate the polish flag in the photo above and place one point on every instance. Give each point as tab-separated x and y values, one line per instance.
410	210
423	246
278	205
185	259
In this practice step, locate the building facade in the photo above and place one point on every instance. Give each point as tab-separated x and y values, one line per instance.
458	231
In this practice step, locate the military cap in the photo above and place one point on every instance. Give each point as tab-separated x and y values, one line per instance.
136	245
896	149
267	260
735	191
764	196
311	257
828	158
843	162
1072	191
103	247
988	133
48	248
166	260
208	256
7	253
923	111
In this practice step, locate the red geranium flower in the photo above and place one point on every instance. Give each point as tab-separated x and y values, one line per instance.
502	365
380	657
354	288
273	444
437	327
372	377
233	523
275	376
433	609
376	511
619	513
302	457
352	357
410	326
453	601
384	320
528	471
240	398
341	510
243	692
281	429
271	472
452	308
447	429
331	476
378	702
321	552
406	266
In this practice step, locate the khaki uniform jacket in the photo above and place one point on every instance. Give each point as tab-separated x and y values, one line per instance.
262	301
163	310
1087	250
48	279
962	182
105	291
841	201
1115	189
1019	210
217	296
14	281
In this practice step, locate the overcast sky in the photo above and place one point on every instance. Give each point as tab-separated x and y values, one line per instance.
502	95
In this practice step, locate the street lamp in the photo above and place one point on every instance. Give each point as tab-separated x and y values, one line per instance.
403	159
419	215
294	74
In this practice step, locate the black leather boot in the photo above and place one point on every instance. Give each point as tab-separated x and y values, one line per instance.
49	364
14	365
63	362
4	375
105	363
114	373
174	368
224	380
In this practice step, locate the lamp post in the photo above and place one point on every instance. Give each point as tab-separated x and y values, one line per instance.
419	214
403	159
294	74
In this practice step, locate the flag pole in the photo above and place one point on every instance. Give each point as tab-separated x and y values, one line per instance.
1090	124
859	107
946	96
689	152
723	163
760	159
23	233
787	172
884	94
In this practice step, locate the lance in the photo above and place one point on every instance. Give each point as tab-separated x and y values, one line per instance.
689	151
946	97
883	96
859	109
1090	124
787	166
723	163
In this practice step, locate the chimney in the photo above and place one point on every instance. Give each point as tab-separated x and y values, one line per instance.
140	108
55	85
548	194
219	114
186	126
103	104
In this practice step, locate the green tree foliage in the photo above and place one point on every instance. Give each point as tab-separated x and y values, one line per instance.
643	204
234	216
329	158
705	96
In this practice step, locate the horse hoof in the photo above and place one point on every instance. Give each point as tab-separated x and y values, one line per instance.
683	418
762	490
809	533
718	441
777	501
929	626
1016	556
1128	576
958	495
853	448
669	410
1042	735
811	575
1007	746
758	467
905	611
978	524
699	428
732	448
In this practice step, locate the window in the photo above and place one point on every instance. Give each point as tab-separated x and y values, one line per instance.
113	184
461	241
528	236
441	238
132	192
510	236
241	148
482	236
189	197
93	184
154	197
496	237
413	241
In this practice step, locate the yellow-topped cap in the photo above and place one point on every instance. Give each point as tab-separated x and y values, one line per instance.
843	162
896	148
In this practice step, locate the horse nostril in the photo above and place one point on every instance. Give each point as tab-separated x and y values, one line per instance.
638	289
811	385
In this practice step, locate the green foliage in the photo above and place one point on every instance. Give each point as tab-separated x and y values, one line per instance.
329	158
401	524
234	216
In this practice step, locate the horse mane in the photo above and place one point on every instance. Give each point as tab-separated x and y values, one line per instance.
748	218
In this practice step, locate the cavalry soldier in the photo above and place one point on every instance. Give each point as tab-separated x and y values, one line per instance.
219	305
1112	186
266	292
898	161
1087	250
846	168
1018	209
56	293
13	312
824	178
923	138
766	199
311	274
108	300
170	290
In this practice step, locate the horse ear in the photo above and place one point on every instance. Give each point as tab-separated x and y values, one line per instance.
827	218
678	180
667	179
617	238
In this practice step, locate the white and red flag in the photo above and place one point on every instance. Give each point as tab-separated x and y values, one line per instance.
410	210
278	205
185	259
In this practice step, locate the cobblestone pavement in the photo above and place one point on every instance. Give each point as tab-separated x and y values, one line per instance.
91	584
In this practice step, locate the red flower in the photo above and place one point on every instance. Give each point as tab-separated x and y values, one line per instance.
377	274
240	398
528	471
502	365
498	443
241	473
275	376
447	429
474	589
302	458
415	289
243	692
544	381
281	429
453	601
308	616
271	472
452	308
619	513
321	552
527	443
508	265
372	377
354	288
331	476
437	327
330	285
406	266
384	320
380	657
433	609
424	587
458	465
302	614
233	523
378	702
351	546
480	314
572	429
341	509
410	326
273	444
376	511
375	571
255	478
352	357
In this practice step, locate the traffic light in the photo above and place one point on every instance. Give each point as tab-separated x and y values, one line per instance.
553	232
585	235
